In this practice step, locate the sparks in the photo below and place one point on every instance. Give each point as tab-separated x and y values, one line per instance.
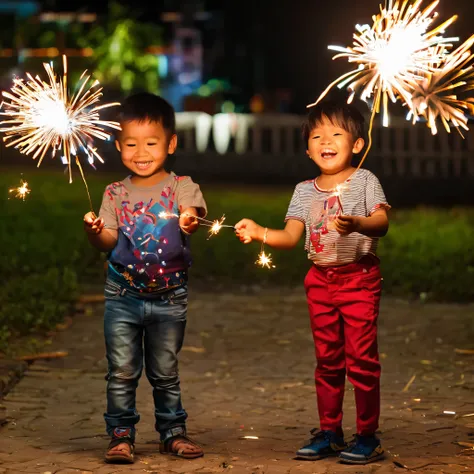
264	260
216	226
402	56
43	116
21	191
166	215
435	96
392	53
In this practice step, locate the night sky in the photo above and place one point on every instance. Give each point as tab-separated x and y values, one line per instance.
283	43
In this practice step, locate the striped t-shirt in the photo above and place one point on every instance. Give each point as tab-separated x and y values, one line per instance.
360	195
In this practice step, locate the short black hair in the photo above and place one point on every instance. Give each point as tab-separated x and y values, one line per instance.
339	113
144	106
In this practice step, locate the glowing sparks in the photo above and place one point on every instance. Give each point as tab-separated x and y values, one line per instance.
21	191
43	116
403	56
340	188
167	215
264	260
435	96
214	226
338	192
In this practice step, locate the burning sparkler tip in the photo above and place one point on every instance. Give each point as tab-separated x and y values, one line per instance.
264	260
21	191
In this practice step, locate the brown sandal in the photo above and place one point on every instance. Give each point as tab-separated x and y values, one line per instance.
120	451
181	446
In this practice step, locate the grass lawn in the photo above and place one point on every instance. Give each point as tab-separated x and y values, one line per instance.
45	255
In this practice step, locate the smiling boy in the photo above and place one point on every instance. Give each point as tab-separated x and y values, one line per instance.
343	213
146	287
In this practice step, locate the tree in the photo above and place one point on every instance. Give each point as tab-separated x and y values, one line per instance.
120	55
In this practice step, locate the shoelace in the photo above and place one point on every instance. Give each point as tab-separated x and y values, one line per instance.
318	435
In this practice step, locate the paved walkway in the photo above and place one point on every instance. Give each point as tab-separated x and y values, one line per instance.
247	370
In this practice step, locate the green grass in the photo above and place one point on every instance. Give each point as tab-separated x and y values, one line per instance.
45	256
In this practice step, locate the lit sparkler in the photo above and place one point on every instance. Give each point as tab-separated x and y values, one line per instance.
214	226
167	215
264	260
43	116
435	95
217	225
21	191
403	57
338	190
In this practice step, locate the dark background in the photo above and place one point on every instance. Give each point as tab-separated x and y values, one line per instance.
262	44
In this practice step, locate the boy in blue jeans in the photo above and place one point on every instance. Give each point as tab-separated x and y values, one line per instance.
146	287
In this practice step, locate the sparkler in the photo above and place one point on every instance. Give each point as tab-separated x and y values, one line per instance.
43	116
435	95
402	57
214	226
264	260
21	191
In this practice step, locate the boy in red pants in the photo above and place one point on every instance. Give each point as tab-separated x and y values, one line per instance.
343	212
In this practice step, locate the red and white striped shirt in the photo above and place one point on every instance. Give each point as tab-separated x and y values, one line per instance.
360	195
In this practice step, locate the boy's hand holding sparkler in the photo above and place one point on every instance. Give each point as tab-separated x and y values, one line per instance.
188	221
103	239
93	224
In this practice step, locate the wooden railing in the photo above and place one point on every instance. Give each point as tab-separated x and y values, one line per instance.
401	149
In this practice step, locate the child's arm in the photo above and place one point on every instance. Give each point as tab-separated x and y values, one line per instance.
376	225
102	239
248	230
191	203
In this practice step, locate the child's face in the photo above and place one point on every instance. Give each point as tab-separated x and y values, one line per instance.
331	147
144	147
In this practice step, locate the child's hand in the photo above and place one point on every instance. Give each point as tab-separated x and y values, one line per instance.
345	225
188	223
248	230
93	224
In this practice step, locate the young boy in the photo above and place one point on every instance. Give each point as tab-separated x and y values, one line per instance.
343	212
146	287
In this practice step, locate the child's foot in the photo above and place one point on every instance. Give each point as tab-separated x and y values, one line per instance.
365	449
182	446
323	444
120	451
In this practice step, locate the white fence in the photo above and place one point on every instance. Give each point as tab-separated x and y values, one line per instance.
401	149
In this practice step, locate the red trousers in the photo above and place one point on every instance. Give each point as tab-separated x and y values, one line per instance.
343	307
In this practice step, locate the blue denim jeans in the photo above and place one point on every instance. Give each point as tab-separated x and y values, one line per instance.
143	327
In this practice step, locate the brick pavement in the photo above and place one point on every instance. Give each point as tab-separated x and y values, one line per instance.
247	370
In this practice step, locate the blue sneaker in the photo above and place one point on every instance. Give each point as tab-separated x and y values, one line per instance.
322	445
363	450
